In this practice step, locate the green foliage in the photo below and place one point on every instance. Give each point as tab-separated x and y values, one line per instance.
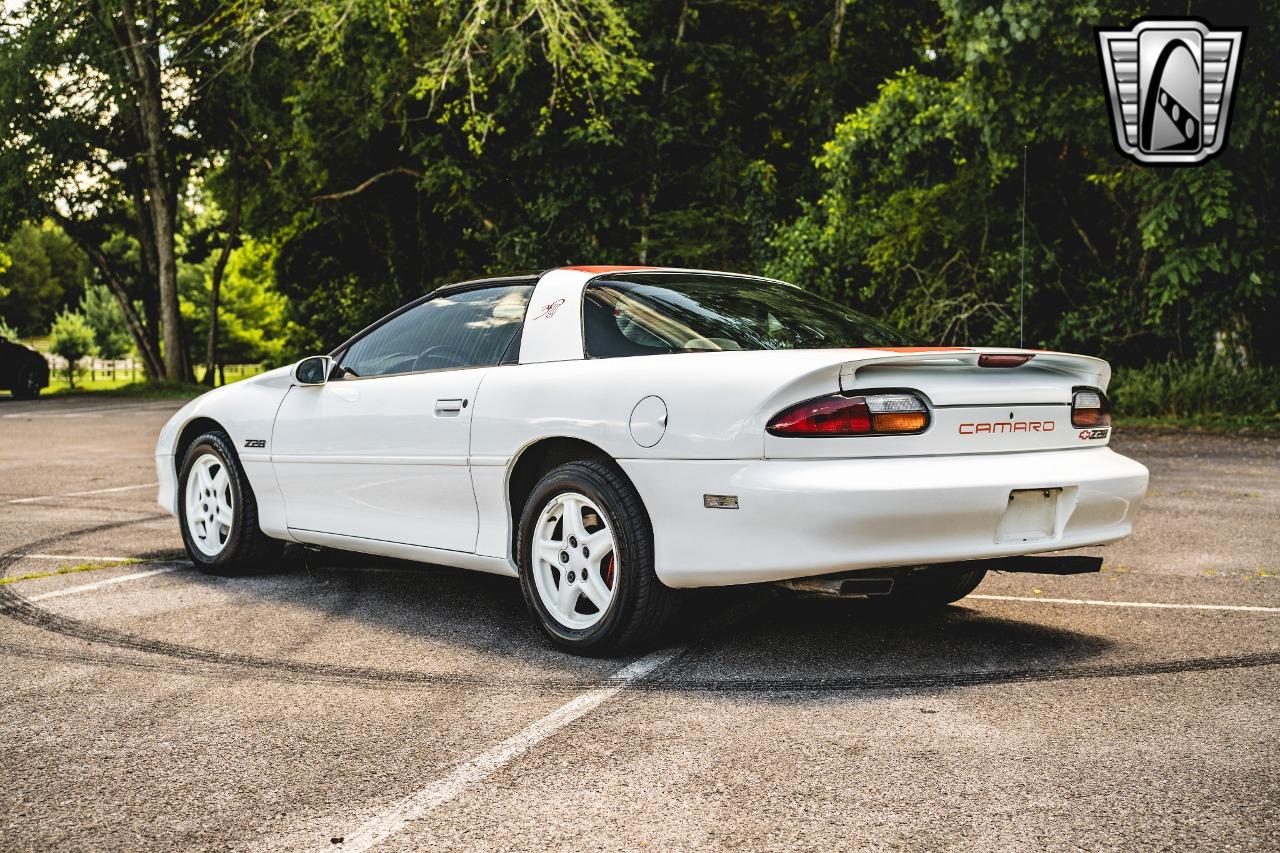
102	312
251	314
919	216
7	332
701	134
1178	388
46	271
72	338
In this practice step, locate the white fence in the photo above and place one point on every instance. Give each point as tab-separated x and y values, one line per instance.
131	369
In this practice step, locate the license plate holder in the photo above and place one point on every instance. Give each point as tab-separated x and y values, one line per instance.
1031	516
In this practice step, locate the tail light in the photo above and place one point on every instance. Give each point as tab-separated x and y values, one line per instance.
869	414
1090	408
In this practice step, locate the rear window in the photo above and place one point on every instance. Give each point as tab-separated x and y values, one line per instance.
662	313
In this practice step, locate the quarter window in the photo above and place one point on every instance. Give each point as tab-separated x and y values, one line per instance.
468	329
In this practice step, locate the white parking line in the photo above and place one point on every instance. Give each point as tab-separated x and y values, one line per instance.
88	411
89	587
82	494
1244	608
416	805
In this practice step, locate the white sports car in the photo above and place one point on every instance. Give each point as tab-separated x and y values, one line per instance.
610	435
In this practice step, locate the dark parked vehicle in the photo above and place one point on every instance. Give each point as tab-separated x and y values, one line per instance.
23	371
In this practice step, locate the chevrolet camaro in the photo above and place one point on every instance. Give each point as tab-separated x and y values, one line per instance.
613	435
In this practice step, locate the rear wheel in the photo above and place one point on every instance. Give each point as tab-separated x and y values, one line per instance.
218	512
935	587
586	562
28	385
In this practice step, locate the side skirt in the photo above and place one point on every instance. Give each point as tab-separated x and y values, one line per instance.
399	550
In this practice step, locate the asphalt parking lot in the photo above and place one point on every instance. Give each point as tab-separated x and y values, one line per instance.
348	705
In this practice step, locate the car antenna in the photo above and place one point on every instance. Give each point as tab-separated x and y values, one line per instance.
1022	275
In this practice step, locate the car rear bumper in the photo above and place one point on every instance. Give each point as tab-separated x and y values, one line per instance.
800	518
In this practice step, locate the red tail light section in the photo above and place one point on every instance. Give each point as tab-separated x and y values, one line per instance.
894	413
1090	408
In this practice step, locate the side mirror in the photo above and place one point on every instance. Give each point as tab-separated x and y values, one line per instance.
313	370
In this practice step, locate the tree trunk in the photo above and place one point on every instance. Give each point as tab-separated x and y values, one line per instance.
220	267
147	256
144	56
837	26
142	339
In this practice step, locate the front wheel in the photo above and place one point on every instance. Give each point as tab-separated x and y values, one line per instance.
218	512
28	387
586	562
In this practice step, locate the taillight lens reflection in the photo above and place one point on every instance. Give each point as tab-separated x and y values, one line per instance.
1090	408
872	414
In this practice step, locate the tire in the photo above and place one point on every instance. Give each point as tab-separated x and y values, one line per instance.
639	607
242	547
929	589
27	386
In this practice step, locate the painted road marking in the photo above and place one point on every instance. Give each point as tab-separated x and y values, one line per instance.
1243	608
82	494
92	411
416	805
89	587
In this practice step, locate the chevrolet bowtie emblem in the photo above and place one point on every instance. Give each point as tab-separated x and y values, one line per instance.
1170	84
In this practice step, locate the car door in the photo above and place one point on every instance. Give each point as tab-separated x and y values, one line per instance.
380	451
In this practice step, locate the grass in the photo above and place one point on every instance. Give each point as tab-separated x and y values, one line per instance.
129	385
1207	395
67	570
1202	423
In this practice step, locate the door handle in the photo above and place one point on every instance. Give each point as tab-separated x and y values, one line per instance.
449	408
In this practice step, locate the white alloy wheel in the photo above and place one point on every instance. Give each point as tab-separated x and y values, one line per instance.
575	567
210	506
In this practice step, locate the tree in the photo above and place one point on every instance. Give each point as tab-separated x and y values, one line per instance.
101	311
919	213
98	99
390	173
72	338
47	271
252	313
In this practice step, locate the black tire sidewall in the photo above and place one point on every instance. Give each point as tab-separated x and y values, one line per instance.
27	388
219	446
573	477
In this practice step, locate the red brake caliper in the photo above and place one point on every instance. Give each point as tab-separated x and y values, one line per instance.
608	571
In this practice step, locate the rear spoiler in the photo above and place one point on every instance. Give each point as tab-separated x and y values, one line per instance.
1084	369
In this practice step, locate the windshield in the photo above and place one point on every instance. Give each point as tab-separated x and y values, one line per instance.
657	313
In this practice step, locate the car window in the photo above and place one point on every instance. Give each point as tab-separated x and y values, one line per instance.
656	313
468	329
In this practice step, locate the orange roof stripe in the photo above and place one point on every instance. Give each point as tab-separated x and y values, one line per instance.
602	269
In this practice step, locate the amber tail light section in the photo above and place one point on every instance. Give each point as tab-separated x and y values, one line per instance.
889	413
1090	408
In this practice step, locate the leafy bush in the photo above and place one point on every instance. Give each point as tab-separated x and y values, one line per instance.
72	338
7	331
1182	388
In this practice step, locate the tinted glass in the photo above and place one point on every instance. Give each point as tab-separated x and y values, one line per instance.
650	313
467	329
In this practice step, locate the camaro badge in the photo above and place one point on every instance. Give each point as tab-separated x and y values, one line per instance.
1170	85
